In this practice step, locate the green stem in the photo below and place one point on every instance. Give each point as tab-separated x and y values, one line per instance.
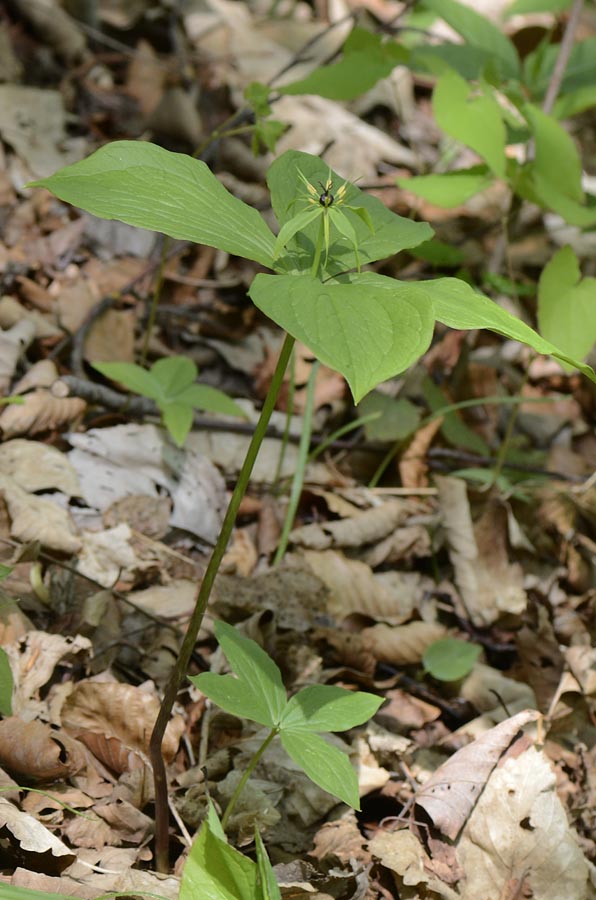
298	479
318	249
179	671
245	777
286	435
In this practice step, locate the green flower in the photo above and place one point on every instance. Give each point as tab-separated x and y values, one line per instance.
327	205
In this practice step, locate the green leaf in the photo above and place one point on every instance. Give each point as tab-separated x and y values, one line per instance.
398	418
324	707
556	158
368	335
145	185
6	685
214	822
479	31
450	659
451	189
5	571
10	892
202	396
177	418
391	233
453	429
325	765
567	305
366	60
523	7
266	877
134	377
542	191
458	305
258	675
173	374
235	696
439	254
215	871
472	117
575	102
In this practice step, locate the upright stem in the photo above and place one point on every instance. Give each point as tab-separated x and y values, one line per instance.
240	786
314	271
181	666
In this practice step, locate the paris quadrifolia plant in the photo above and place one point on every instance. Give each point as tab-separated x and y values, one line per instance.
367	326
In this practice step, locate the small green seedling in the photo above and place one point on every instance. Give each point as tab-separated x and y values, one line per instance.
450	659
256	692
216	871
170	382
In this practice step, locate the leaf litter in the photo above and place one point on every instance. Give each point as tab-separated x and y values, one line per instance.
478	788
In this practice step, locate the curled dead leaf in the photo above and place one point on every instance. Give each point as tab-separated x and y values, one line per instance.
38	751
12	344
402	645
120	714
38	467
450	794
43	851
362	528
37	519
41	411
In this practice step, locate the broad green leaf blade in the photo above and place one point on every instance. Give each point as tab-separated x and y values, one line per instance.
324	707
255	667
449	190
457	305
472	117
214	822
556	158
542	191
215	871
391	233
266	877
453	429
202	396
366	60
235	696
6	685
173	374
131	376
368	335
479	31
145	185
177	418
450	659
523	7
567	305
397	418
325	765
576	102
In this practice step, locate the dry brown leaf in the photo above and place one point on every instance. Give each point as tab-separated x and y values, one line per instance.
451	793
145	77
491	693
37	751
48	884
402	645
488	583
354	587
38	467
413	468
11	312
361	528
37	519
518	838
34	659
341	841
402	853
42	374
33	839
41	411
12	344
121	712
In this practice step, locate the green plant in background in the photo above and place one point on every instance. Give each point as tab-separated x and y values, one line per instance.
256	692
6	677
450	659
367	326
170	382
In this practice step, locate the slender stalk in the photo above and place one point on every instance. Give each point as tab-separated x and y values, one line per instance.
240	786
314	271
286	435
179	671
298	479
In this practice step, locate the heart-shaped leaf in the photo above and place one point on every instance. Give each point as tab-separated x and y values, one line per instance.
367	334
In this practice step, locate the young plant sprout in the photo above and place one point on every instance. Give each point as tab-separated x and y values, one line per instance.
324	206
